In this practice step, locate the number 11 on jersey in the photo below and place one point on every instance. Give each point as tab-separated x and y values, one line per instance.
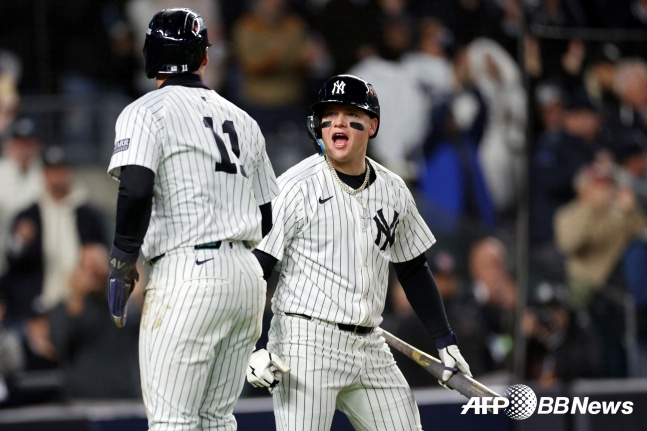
226	165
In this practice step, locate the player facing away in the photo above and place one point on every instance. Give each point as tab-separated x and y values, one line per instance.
195	195
339	220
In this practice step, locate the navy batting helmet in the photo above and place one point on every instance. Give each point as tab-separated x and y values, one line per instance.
348	89
176	42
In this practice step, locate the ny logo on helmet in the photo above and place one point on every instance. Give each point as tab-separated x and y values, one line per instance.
338	87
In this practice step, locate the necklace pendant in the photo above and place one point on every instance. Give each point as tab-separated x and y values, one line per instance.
366	218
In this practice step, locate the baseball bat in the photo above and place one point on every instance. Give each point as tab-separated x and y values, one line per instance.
460	382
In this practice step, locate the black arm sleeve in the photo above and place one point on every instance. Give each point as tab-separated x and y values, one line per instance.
266	221
134	207
423	295
267	261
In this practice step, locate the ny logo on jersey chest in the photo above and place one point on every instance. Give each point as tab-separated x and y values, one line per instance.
385	228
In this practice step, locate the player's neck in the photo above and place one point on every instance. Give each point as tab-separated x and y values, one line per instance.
352	168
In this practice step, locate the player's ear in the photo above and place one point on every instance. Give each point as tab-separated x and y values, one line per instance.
205	60
373	126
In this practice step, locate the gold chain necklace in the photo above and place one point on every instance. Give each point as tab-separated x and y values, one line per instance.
344	186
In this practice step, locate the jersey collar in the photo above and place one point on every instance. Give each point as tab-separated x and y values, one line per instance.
192	80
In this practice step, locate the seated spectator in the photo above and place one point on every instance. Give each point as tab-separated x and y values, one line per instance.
21	171
631	159
549	98
98	360
553	165
494	289
561	342
44	246
594	231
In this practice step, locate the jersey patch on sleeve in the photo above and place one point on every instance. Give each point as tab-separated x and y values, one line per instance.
121	145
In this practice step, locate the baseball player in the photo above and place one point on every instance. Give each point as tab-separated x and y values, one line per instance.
339	220
195	195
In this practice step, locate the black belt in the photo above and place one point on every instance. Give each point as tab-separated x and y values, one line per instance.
355	329
207	246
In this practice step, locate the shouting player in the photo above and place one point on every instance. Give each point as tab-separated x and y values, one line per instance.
195	195
339	220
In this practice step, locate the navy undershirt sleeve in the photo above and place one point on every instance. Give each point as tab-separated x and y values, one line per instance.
423	295
267	261
134	207
266	218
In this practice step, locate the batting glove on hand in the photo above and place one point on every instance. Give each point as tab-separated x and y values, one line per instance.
451	358
121	281
265	369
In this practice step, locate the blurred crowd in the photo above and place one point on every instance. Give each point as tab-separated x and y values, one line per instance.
492	110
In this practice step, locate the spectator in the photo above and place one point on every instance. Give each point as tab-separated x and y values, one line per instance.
22	176
494	289
555	161
561	342
10	75
599	74
274	52
101	64
631	159
501	150
43	251
594	231
402	106
429	61
550	109
450	159
99	362
630	86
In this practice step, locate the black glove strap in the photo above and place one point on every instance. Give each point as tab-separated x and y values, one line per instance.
446	340
121	262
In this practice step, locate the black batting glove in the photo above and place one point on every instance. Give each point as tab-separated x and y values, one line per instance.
121	281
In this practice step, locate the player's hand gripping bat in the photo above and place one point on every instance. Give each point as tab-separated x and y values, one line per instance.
460	382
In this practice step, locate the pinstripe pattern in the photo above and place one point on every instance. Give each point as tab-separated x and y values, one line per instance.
324	245
198	329
334	257
194	203
333	368
200	321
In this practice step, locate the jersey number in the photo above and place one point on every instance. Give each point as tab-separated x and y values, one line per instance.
225	165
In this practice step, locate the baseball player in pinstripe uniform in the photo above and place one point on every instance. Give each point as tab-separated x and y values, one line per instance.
195	195
339	221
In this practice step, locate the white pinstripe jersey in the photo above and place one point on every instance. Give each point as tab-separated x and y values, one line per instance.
333	256
211	167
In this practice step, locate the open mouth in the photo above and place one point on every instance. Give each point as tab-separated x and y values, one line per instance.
339	139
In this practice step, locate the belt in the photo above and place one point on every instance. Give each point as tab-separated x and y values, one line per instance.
355	329
215	245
